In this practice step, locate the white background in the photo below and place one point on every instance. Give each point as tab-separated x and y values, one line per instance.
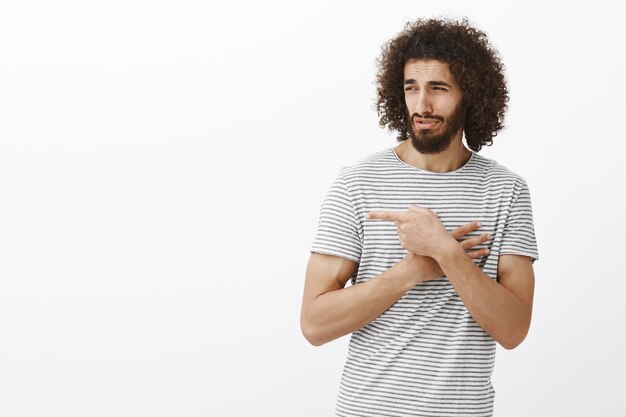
161	169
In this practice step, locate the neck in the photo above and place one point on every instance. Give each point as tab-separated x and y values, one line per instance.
451	159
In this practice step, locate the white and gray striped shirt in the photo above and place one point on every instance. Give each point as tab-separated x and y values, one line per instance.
424	356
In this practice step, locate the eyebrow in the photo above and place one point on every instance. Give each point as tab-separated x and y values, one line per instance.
412	81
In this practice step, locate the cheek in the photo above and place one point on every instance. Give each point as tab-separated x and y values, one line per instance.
445	107
451	104
411	107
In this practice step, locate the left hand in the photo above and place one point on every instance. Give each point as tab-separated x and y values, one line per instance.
419	229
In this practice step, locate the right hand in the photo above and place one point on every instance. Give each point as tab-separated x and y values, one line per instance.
425	268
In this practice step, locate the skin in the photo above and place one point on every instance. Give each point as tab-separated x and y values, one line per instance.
435	110
430	90
503	308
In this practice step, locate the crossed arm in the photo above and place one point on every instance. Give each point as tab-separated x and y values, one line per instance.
503	309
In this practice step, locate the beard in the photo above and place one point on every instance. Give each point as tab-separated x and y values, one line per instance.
426	142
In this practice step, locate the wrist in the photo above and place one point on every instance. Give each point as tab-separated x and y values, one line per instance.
448	249
409	269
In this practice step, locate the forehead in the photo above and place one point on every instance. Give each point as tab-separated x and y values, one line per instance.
422	70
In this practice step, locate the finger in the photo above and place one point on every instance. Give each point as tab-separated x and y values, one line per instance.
385	215
474	241
465	229
475	254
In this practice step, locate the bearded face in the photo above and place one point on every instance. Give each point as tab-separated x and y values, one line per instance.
433	133
434	102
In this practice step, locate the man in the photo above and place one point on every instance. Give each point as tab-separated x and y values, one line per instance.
437	240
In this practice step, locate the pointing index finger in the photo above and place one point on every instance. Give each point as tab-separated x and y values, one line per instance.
385	215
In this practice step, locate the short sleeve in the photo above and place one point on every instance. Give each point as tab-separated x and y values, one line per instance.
338	229
518	237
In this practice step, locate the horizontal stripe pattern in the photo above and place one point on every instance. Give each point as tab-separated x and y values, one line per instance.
425	355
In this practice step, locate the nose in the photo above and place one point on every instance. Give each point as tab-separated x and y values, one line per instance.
423	104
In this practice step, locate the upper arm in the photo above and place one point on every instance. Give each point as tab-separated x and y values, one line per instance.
516	274
325	273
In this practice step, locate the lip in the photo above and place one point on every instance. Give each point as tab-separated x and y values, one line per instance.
425	123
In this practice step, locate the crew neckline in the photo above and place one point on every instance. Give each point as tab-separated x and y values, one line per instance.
471	158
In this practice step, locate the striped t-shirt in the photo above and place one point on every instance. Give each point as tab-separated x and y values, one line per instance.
424	356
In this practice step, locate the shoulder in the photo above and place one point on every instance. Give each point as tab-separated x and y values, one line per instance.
494	171
375	160
379	161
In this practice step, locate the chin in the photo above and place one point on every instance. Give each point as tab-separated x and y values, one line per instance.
431	145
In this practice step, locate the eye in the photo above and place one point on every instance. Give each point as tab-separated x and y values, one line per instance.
409	89
439	89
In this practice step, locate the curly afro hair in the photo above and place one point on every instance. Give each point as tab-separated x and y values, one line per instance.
474	63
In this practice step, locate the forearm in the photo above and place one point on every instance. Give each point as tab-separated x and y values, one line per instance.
342	311
496	309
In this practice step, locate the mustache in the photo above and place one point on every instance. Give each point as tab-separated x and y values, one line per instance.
430	116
